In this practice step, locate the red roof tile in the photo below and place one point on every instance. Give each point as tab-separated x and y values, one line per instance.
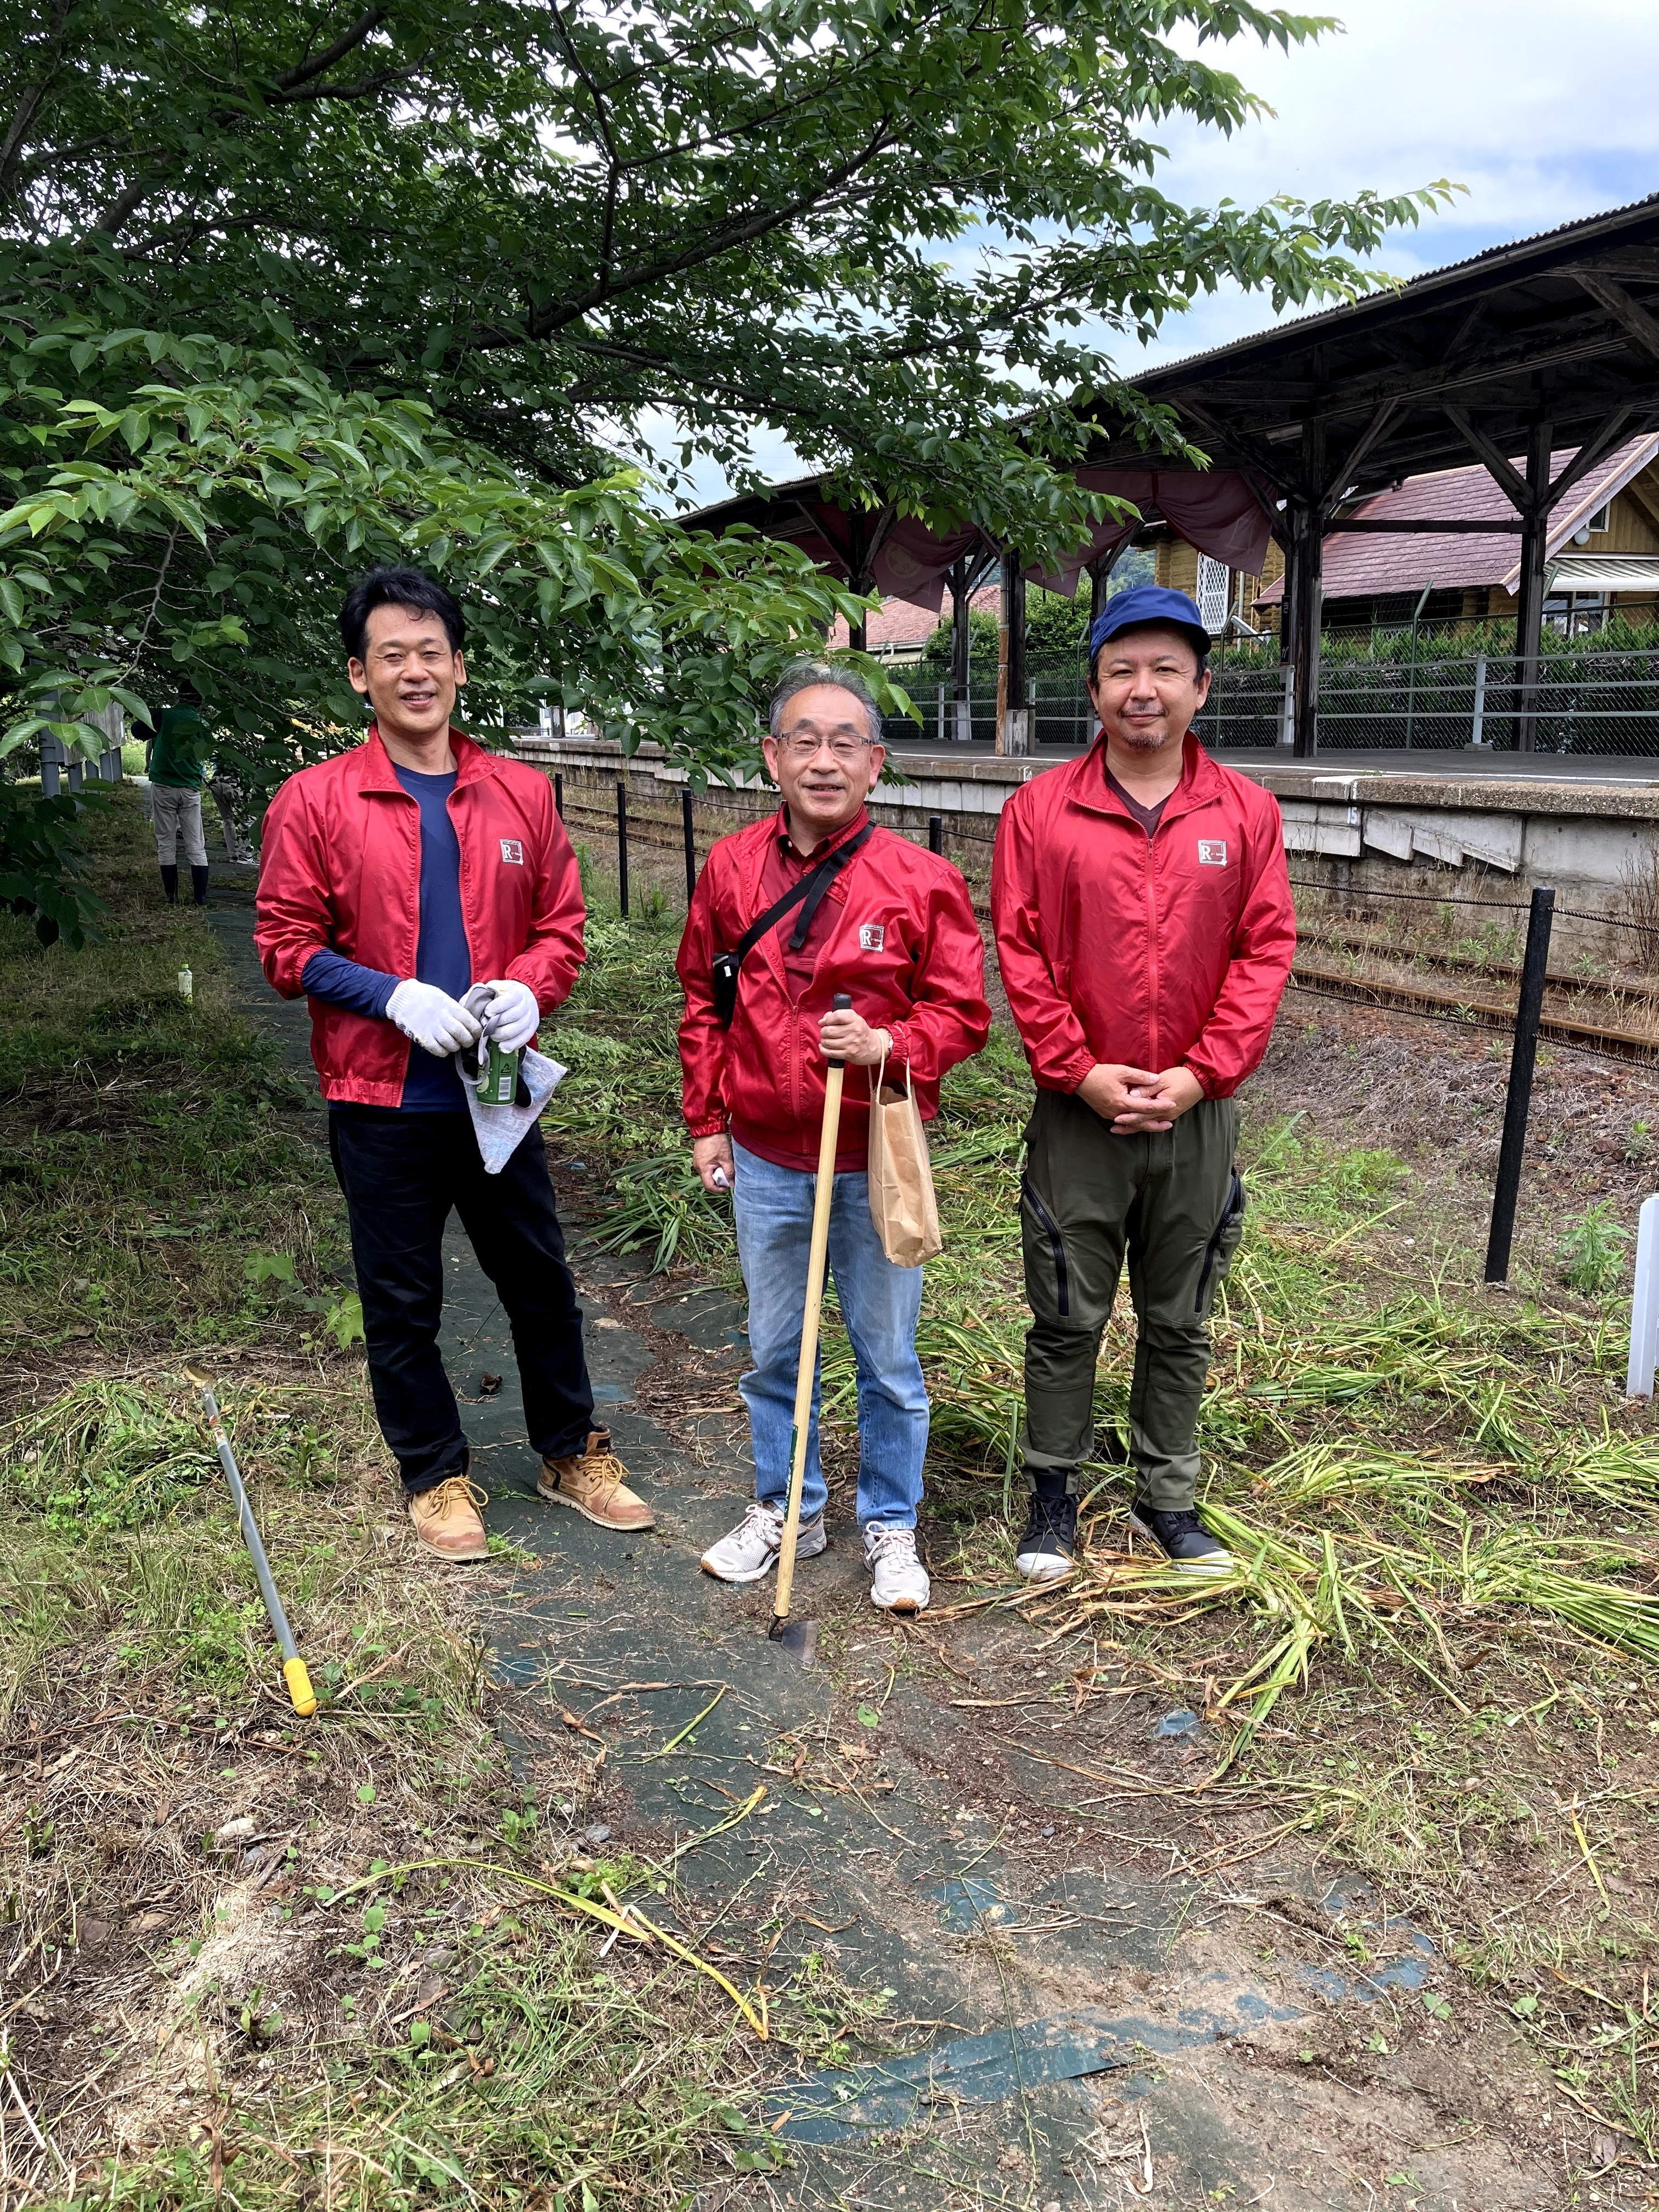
897	624
1361	568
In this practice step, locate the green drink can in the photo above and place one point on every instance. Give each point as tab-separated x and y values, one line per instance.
498	1077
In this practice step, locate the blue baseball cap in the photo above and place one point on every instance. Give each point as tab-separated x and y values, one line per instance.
1148	603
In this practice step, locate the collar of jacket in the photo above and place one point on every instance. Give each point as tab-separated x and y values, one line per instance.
770	947
1200	782
380	774
825	846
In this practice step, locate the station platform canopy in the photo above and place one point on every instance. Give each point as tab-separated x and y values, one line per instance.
1549	342
1219	511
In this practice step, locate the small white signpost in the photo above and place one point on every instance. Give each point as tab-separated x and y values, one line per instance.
1645	1307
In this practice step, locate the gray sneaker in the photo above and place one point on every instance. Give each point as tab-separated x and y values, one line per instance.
751	1549
898	1581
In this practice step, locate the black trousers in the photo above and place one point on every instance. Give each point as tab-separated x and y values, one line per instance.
402	1174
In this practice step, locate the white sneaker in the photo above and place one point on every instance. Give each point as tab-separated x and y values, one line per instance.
751	1549
898	1581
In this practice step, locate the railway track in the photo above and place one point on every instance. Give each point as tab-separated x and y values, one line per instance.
1477	1009
1413	996
1311	932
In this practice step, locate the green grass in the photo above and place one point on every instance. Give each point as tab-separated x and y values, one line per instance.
1447	1518
163	1198
1515	1489
148	1147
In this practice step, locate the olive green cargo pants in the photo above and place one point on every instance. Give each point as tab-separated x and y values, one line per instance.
1174	1205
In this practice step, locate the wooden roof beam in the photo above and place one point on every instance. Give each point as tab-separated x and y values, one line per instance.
1374	431
1629	313
1356	396
1590	455
1498	467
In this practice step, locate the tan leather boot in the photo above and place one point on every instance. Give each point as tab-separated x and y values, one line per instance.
447	1522
595	1482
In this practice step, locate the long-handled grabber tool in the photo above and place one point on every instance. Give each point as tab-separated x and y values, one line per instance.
301	1696
800	1636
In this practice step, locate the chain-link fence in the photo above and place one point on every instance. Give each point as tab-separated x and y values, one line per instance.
1588	700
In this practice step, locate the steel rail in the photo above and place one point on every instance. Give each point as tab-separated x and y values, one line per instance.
1471	1013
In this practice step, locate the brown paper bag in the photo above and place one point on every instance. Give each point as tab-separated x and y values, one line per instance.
902	1202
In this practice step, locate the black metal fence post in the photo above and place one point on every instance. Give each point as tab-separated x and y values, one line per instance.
936	833
558	796
1517	1104
689	826
621	844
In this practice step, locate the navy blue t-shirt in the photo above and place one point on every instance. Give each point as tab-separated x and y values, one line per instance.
441	956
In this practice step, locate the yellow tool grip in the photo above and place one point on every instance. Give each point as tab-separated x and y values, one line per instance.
300	1693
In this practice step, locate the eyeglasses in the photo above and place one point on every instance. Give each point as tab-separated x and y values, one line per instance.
800	745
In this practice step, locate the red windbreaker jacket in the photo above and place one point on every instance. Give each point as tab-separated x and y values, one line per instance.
1144	953
340	870
902	942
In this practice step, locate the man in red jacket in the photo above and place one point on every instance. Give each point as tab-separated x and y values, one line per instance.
818	901
1143	922
392	878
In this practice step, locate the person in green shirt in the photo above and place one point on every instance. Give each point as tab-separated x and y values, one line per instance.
178	760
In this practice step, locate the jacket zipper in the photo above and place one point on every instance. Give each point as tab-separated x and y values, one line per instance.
1062	1281
1153	1047
1230	1212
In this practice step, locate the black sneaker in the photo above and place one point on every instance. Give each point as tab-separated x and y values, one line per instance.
1048	1550
1183	1540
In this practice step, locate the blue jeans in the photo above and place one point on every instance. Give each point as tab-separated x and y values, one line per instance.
879	1303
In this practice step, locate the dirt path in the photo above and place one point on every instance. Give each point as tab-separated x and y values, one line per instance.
1100	1985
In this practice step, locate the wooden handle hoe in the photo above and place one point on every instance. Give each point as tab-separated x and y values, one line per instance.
800	1636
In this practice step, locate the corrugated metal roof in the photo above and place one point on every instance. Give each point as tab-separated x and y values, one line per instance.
1311	323
1605	572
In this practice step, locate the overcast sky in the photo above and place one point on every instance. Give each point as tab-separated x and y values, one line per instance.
1545	112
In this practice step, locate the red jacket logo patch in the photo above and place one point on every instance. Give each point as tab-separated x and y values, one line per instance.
872	935
513	849
1211	852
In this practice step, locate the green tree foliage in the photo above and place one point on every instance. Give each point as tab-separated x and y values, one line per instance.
285	287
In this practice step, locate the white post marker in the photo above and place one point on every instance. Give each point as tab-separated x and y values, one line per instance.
1645	1307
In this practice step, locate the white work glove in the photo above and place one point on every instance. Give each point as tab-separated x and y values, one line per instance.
513	1017
431	1018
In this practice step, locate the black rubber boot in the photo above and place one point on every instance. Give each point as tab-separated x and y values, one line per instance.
198	886
170	884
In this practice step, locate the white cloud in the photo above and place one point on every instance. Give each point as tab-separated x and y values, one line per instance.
1518	100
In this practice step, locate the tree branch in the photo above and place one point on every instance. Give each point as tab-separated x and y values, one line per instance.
303	72
32	97
713	245
602	124
361	90
126	202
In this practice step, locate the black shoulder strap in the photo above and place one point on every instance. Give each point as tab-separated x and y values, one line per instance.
807	894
